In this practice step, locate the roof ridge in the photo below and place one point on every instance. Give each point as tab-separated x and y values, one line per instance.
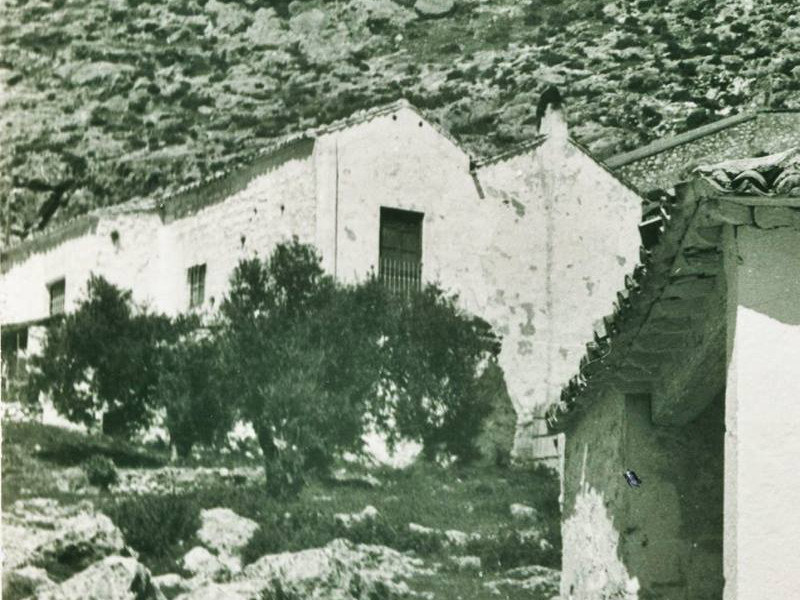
660	145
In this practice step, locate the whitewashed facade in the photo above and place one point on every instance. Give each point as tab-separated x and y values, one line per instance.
536	241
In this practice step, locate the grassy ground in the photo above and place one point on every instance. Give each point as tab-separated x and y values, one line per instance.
162	527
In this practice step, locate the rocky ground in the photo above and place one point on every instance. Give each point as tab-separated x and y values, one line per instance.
197	532
107	100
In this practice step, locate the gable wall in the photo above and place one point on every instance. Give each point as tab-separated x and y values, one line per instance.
573	239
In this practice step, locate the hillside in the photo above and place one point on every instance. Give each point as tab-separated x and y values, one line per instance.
105	100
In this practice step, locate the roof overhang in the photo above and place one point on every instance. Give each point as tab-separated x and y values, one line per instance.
668	326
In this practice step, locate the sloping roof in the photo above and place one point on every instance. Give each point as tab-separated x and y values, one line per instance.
775	174
215	184
670	293
665	162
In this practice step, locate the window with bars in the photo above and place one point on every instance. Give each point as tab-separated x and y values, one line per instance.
197	285
400	263
57	290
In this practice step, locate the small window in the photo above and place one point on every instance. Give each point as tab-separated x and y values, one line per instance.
197	285
56	290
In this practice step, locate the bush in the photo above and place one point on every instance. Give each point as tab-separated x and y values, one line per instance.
509	549
101	471
190	388
310	362
291	351
104	355
158	527
437	354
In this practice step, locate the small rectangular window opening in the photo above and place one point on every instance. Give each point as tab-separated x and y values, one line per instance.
56	291
197	285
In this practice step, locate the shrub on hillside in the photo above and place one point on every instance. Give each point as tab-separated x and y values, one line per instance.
302	359
101	357
190	389
310	362
101	471
158	527
436	356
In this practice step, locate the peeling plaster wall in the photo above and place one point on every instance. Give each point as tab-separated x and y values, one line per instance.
540	255
662	541
576	226
594	502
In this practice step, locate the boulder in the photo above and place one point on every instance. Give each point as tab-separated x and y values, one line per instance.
113	578
347	520
364	480
204	565
63	539
23	582
434	8
457	538
340	569
172	584
225	532
466	563
523	512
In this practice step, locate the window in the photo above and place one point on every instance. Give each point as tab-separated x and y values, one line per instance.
56	291
197	285
400	265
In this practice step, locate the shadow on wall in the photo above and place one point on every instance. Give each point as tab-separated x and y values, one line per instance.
591	541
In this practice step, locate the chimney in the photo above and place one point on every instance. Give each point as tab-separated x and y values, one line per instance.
550	114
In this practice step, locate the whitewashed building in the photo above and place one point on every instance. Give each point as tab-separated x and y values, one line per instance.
535	240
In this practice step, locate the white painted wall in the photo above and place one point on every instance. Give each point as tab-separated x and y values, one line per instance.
540	253
762	447
23	287
272	208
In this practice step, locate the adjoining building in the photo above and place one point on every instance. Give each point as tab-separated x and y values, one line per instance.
533	240
694	384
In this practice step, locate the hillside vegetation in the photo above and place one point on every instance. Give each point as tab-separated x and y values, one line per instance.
105	100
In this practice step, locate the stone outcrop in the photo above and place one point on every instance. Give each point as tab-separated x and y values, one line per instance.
340	569
203	565
226	533
41	532
538	583
113	578
434	8
21	583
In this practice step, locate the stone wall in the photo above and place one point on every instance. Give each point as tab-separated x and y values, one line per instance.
593	505
662	540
